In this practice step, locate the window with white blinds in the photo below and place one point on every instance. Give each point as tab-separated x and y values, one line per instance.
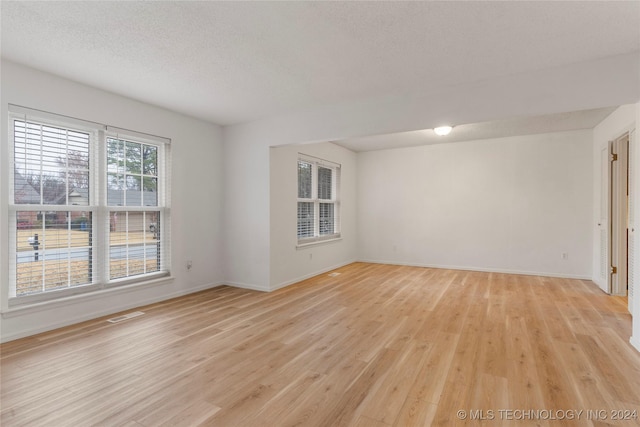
318	202
89	206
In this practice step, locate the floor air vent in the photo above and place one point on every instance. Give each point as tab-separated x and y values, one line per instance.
125	317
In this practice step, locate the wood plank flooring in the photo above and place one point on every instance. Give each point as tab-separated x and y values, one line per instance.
375	346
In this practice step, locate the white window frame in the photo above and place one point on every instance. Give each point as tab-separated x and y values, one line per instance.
97	205
335	200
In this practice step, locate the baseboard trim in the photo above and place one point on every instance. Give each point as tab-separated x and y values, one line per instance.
598	282
482	269
106	312
635	342
247	286
448	267
310	275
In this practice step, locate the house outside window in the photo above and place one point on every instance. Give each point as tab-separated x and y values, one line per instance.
89	206
318	200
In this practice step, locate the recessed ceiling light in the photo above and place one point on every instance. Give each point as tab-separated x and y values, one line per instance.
443	130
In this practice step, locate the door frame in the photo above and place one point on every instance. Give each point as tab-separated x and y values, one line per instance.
618	214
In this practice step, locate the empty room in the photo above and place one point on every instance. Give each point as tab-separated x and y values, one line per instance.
312	213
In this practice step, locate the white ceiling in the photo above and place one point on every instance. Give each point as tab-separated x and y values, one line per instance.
586	119
235	62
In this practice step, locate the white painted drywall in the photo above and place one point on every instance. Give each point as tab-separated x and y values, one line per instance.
635	331
511	204
288	263
617	123
196	193
246	213
246	146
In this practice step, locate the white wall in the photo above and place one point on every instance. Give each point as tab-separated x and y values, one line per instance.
246	213
617	123
622	120
510	204
288	263
635	334
246	146
235	231
196	195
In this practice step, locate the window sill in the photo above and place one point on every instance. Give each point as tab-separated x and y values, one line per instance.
17	307
318	242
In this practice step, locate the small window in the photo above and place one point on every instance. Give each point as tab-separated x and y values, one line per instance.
318	203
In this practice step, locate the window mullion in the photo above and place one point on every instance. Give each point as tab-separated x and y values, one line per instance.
47	208
126	227
41	166
334	185
66	173
69	241
101	222
323	200
43	256
316	204
124	171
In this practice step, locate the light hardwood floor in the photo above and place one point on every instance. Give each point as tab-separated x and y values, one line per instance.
377	345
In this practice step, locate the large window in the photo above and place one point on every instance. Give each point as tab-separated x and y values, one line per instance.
89	206
318	203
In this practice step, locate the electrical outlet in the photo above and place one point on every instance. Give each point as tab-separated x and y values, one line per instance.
189	265
564	255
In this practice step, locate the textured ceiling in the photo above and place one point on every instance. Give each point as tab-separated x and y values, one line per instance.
576	120
234	62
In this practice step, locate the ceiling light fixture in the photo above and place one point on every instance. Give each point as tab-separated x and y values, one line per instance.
443	130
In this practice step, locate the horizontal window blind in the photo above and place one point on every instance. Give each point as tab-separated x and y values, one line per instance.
51	164
89	206
318	203
135	244
132	173
53	251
